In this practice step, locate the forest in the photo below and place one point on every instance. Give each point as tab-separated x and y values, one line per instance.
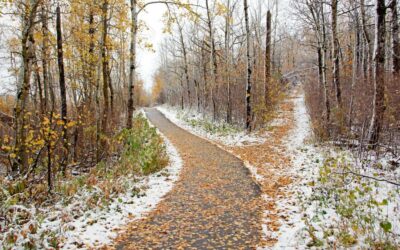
265	124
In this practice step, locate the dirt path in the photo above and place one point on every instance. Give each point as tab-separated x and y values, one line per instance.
215	204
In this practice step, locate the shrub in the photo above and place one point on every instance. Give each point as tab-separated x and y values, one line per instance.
143	149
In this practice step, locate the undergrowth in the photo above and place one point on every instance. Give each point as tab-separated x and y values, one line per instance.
351	210
141	152
216	128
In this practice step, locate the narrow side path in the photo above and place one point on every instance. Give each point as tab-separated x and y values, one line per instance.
215	204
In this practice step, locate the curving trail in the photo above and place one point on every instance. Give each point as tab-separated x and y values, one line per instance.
214	205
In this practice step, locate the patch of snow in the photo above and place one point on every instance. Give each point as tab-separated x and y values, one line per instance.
253	170
82	228
126	207
305	159
302	213
236	138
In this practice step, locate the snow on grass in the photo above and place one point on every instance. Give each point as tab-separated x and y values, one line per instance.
77	226
128	206
311	218
303	169
222	133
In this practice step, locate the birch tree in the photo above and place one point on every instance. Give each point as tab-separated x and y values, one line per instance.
379	73
249	69
336	54
29	14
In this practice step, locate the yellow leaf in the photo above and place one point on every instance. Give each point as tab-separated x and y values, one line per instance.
46	121
71	124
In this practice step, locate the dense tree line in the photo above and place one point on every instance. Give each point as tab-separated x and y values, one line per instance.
357	57
236	58
76	83
221	61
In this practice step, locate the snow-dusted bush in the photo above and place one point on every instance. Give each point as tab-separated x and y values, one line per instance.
143	147
31	218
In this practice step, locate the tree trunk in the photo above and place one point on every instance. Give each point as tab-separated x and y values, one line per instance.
105	66
367	39
38	80
197	85
132	69
355	62
111	87
182	95
324	69
92	60
63	92
336	54
228	62
205	79
185	62
379	74
20	109
49	156
267	59
318	16
249	70
214	66
39	89
21	118
45	56
395	38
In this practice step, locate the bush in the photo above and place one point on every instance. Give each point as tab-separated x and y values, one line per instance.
220	128
143	150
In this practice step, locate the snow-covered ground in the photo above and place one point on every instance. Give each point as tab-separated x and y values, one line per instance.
227	136
305	159
126	207
309	217
77	225
302	155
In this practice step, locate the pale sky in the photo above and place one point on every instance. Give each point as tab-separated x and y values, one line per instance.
148	61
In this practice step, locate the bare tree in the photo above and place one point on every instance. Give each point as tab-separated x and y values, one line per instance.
249	69
214	65
105	66
132	68
336	54
395	38
30	12
379	73
63	91
367	39
267	58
